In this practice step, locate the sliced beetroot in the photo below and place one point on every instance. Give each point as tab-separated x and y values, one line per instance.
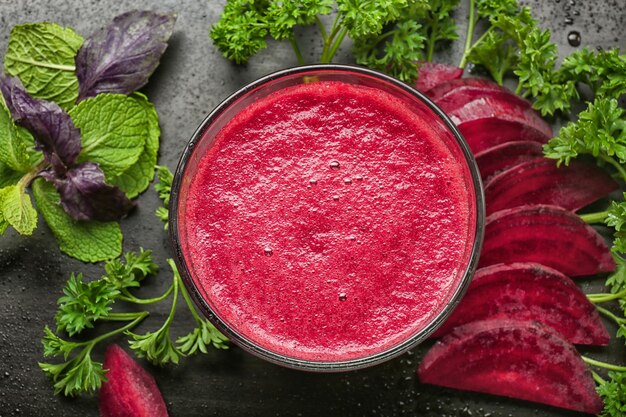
529	291
540	181
431	74
502	106
517	359
485	133
547	235
461	96
501	157
441	90
130	391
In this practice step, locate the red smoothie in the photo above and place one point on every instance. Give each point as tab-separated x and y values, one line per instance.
327	222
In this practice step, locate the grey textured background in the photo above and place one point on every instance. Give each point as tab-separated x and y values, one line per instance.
191	80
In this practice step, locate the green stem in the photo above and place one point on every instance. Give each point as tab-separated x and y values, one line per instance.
329	40
123	316
122	329
296	49
604	297
618	320
615	164
322	28
336	44
190	304
592	218
32	174
599	380
127	296
470	33
603	365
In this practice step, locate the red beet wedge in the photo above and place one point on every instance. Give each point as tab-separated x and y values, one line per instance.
482	134
431	74
514	359
447	87
504	156
130	391
461	96
529	291
540	181
502	106
547	235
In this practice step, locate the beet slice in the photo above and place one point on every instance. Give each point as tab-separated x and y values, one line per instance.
547	235
130	391
529	291
485	133
431	74
517	359
540	181
461	96
441	90
501	157
502	106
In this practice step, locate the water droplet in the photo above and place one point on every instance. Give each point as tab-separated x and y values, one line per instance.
312	181
343	296
268	251
334	165
569	21
573	38
336	197
347	180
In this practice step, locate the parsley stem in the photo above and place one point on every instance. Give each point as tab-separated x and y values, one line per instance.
127	296
431	41
470	32
122	316
592	218
142	315
326	57
604	297
296	49
604	365
615	164
322	28
599	380
190	303
618	320
337	43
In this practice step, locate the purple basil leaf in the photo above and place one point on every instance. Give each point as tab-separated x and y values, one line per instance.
121	57
53	129
86	196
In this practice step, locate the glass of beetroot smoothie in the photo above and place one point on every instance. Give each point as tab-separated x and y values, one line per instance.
327	217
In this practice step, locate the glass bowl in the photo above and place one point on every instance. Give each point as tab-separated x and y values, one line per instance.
416	103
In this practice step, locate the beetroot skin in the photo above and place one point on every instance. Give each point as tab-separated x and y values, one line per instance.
547	235
485	133
517	359
447	87
528	291
461	96
540	181
130	391
431	74
499	158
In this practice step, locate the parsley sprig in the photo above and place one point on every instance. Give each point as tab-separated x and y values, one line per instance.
84	304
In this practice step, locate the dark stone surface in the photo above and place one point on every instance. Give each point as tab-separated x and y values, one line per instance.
191	80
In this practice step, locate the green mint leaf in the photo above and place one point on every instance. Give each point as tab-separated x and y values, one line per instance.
8	176
114	128
42	56
16	143
17	209
91	241
201	338
137	178
84	303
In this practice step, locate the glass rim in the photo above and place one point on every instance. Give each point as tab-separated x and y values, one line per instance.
325	366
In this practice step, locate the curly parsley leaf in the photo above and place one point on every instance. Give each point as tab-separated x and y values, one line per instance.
164	188
201	338
613	393
78	375
496	53
130	273
283	15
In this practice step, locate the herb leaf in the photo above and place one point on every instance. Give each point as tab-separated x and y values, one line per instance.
87	241
53	129
613	393
137	178
114	128
86	196
121	57
164	188
132	272
16	143
42	56
201	338
83	303
17	209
